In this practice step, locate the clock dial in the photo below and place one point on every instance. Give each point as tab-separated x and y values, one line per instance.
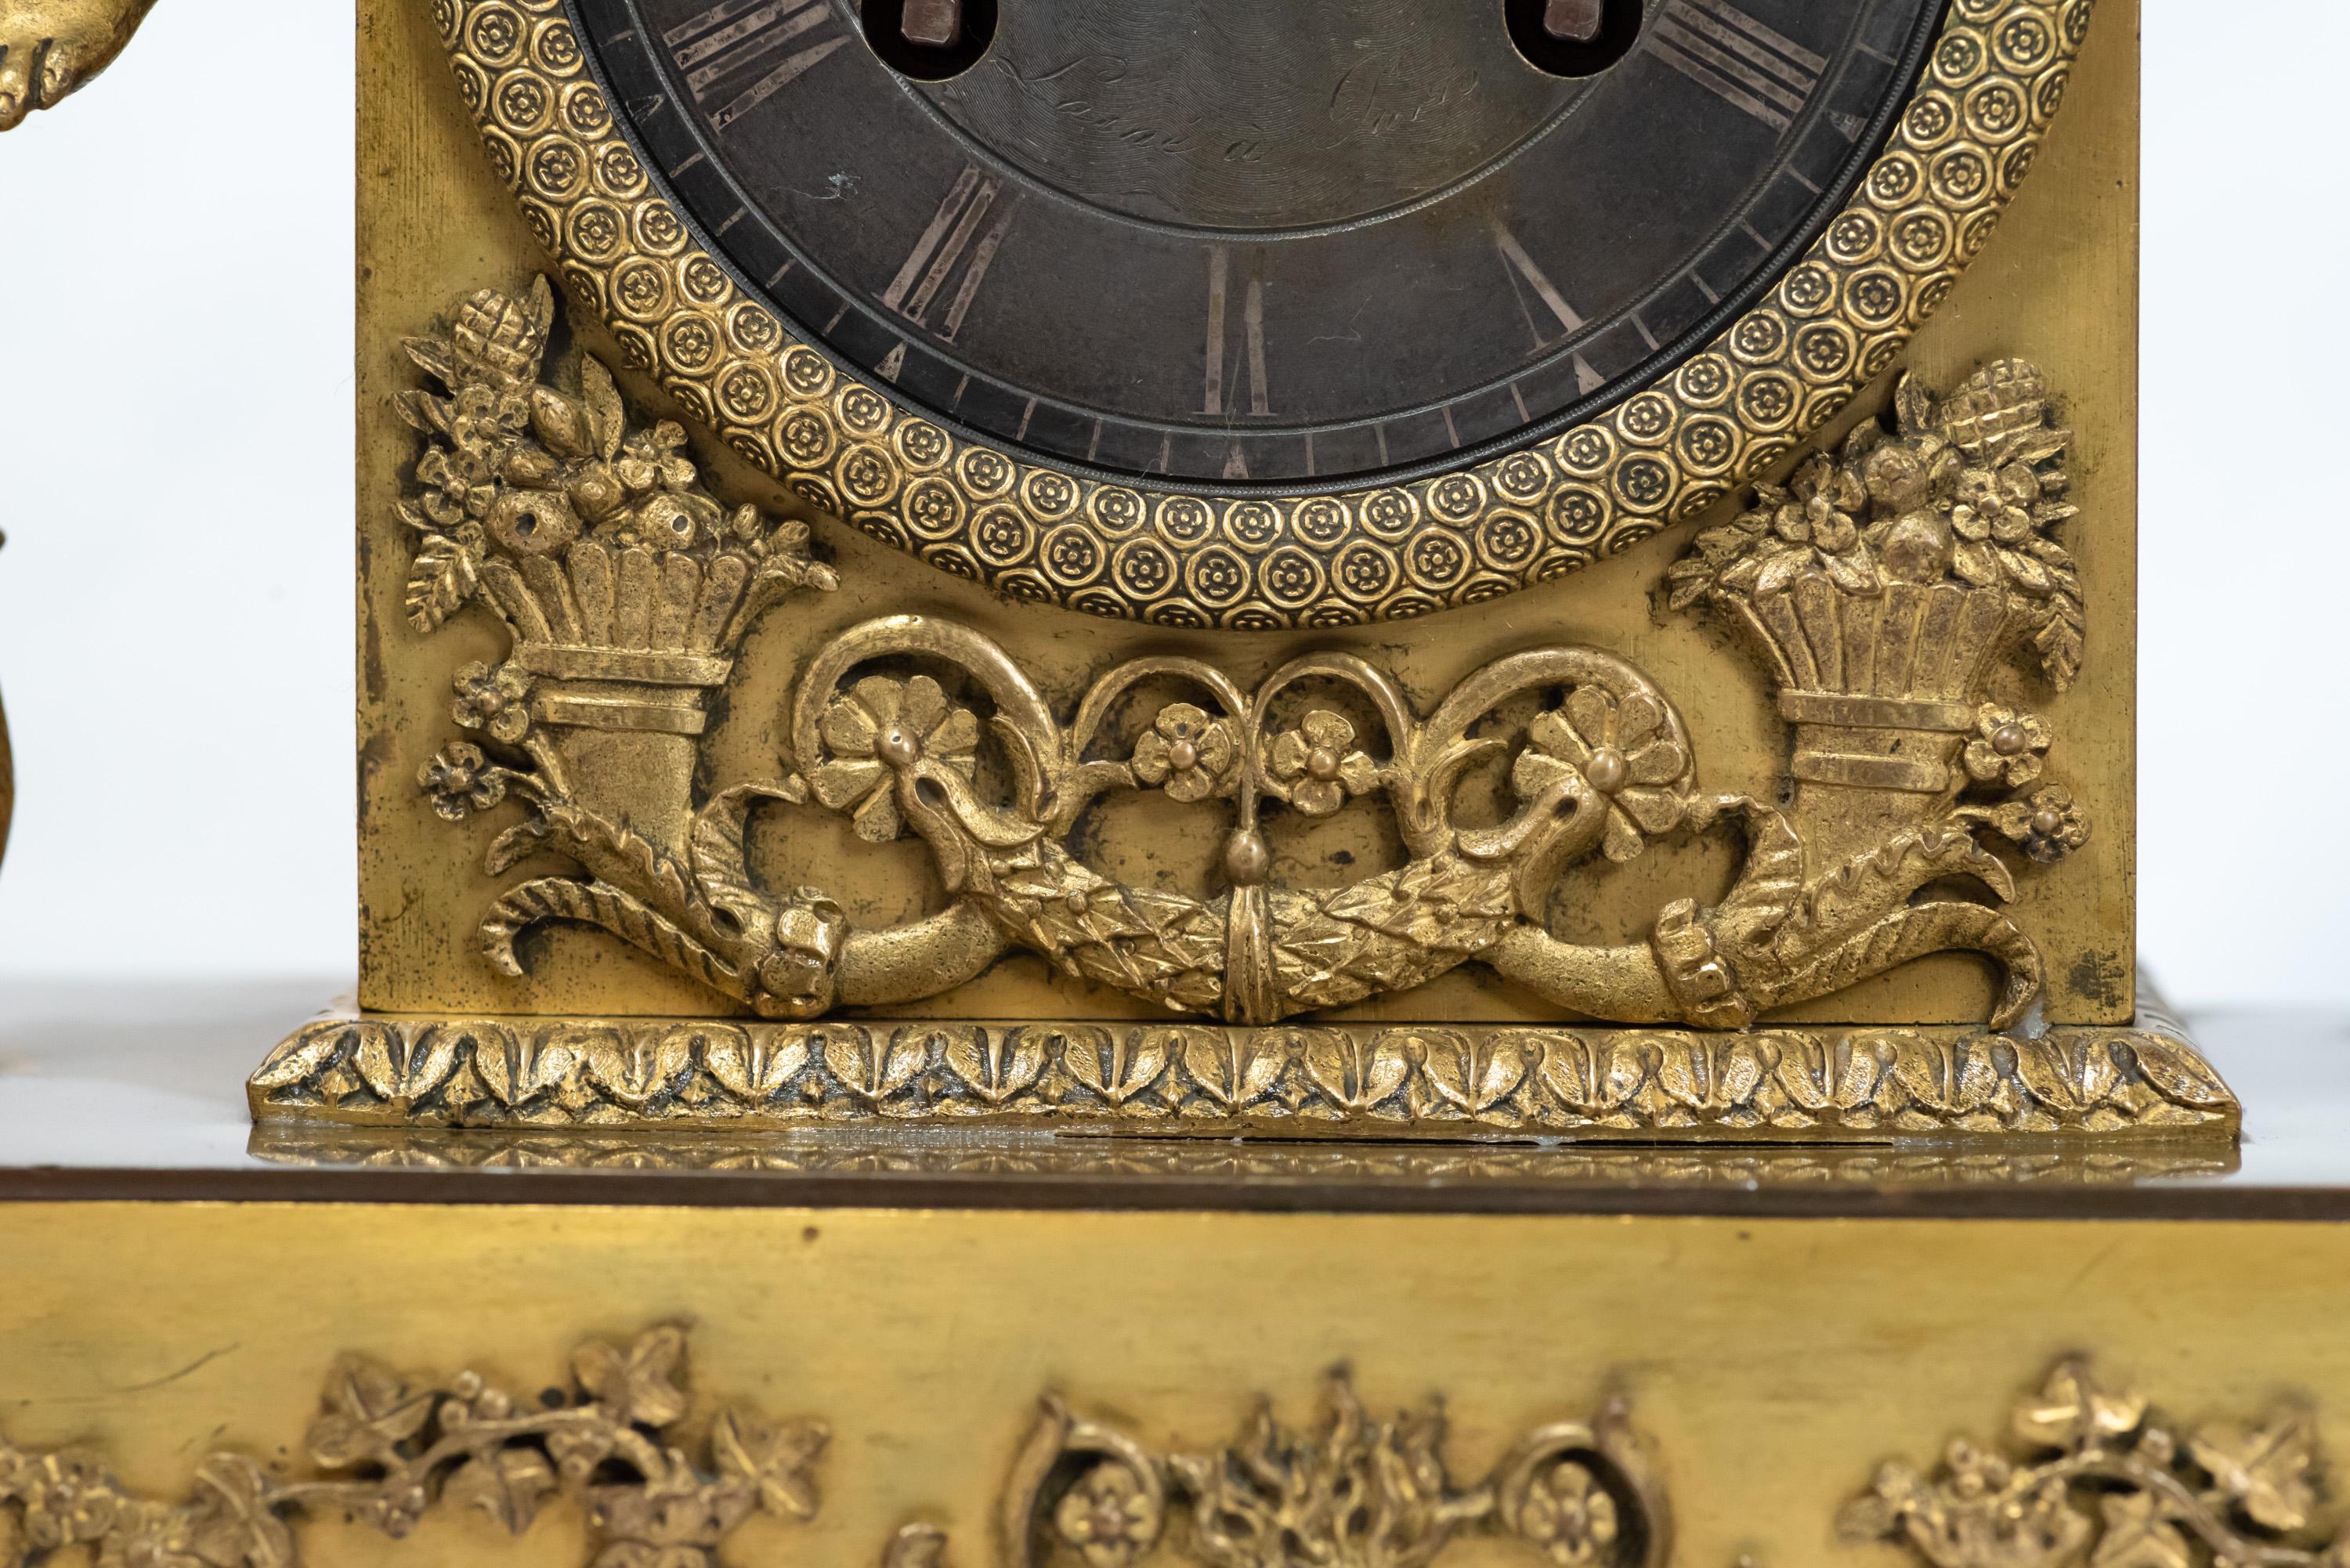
1242	243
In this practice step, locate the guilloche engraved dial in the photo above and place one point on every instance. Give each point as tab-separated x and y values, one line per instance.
1253	243
1261	313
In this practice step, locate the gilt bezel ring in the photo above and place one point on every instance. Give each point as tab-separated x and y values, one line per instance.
1993	79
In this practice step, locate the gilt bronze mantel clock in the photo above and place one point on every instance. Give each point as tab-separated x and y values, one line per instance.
1336	567
1073	710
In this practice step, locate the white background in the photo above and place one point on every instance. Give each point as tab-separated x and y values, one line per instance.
175	416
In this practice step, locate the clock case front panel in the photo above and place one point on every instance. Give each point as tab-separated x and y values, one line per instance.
2057	282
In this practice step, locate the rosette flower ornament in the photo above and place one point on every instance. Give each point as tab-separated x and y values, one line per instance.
882	726
488	416
1570	1516
1316	765
455	485
1185	752
655	459
1110	1517
494	700
2048	826
1623	751
460	781
2007	748
1993	504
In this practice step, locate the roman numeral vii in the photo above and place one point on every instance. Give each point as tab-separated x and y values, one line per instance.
948	243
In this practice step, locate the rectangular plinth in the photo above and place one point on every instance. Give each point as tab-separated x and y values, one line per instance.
1464	1083
1736	1344
1767	1368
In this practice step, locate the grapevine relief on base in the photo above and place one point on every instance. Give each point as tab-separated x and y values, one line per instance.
2092	1475
1351	1491
388	1449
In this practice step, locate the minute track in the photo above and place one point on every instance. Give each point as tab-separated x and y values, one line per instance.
1395	345
1526	505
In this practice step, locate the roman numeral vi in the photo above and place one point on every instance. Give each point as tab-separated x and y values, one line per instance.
1252	314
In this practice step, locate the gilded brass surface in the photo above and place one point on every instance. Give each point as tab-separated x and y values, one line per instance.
51	49
2091	1474
1885	588
1838	317
390	1450
1384	1167
170	1066
1350	1492
1766	1086
1772	1366
1354	1492
1152	848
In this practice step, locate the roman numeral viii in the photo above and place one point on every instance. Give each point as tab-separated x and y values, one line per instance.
712	49
946	244
1737	58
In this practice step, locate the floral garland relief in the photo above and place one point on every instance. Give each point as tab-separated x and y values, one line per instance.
391	1449
2094	1477
1352	1492
1884	588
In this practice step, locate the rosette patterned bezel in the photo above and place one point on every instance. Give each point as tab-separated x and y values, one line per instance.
1838	317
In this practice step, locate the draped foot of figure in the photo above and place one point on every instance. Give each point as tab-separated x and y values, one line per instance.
50	48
